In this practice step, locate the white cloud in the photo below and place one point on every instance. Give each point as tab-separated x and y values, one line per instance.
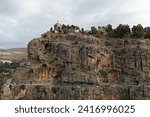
28	7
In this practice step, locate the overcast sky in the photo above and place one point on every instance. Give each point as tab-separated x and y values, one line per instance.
22	20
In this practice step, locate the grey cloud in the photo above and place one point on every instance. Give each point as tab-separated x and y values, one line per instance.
22	20
7	7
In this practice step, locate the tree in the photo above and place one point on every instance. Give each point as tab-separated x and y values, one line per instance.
65	28
137	31
93	30
82	30
68	28
122	31
51	29
77	27
109	30
147	32
72	28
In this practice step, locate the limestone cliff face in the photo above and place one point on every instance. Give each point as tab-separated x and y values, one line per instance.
75	66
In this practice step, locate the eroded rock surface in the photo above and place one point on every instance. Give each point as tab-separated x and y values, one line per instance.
76	66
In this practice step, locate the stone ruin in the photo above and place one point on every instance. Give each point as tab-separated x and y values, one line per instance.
57	27
80	67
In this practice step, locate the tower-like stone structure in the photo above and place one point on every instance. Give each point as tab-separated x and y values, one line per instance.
58	27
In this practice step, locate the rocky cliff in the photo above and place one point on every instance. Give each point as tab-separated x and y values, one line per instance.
76	66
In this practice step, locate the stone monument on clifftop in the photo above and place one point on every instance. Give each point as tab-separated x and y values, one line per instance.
57	27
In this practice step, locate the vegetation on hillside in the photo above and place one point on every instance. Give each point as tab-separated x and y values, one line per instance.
7	68
121	31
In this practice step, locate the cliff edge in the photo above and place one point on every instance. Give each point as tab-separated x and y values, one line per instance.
77	66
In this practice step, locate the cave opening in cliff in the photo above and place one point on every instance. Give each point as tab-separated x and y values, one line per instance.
48	47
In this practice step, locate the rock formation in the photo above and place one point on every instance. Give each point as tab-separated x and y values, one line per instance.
76	66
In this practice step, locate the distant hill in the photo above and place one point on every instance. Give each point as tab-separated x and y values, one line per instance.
17	49
13	54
